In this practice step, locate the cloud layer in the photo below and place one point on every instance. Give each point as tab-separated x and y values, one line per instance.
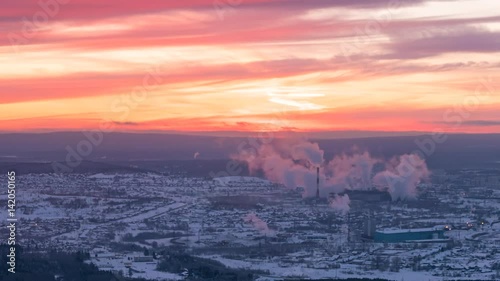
321	65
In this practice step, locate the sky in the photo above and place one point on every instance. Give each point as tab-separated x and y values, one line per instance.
250	65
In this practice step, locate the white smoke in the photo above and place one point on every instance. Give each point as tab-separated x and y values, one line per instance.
258	224
351	172
289	162
293	163
340	204
308	151
402	176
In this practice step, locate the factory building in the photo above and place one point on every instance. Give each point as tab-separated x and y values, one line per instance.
369	196
409	235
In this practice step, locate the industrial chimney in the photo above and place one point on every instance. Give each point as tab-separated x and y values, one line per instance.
317	182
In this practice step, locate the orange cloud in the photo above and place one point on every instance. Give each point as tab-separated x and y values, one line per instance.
317	65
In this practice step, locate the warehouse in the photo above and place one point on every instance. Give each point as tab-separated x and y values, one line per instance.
406	235
368	196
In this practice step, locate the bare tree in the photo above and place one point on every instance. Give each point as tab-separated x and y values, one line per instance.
395	264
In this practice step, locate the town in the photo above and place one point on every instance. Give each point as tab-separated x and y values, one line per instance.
131	222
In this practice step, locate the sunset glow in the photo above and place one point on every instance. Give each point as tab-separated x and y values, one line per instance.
250	65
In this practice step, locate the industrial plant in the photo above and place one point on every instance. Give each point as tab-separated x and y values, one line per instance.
265	227
304	217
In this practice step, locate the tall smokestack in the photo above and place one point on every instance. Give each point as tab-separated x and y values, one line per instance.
317	182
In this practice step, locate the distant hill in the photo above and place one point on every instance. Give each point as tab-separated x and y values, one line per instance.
459	151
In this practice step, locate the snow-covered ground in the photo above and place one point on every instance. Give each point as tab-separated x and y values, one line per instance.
250	223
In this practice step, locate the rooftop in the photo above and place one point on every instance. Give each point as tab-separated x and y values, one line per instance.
398	230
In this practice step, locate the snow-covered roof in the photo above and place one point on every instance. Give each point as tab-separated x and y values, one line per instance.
398	230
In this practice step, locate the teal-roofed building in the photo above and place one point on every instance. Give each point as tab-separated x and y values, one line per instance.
405	235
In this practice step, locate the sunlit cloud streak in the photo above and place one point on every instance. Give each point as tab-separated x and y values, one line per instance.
315	62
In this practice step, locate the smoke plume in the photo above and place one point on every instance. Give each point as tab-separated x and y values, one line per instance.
402	175
258	224
350	172
293	163
340	204
289	162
